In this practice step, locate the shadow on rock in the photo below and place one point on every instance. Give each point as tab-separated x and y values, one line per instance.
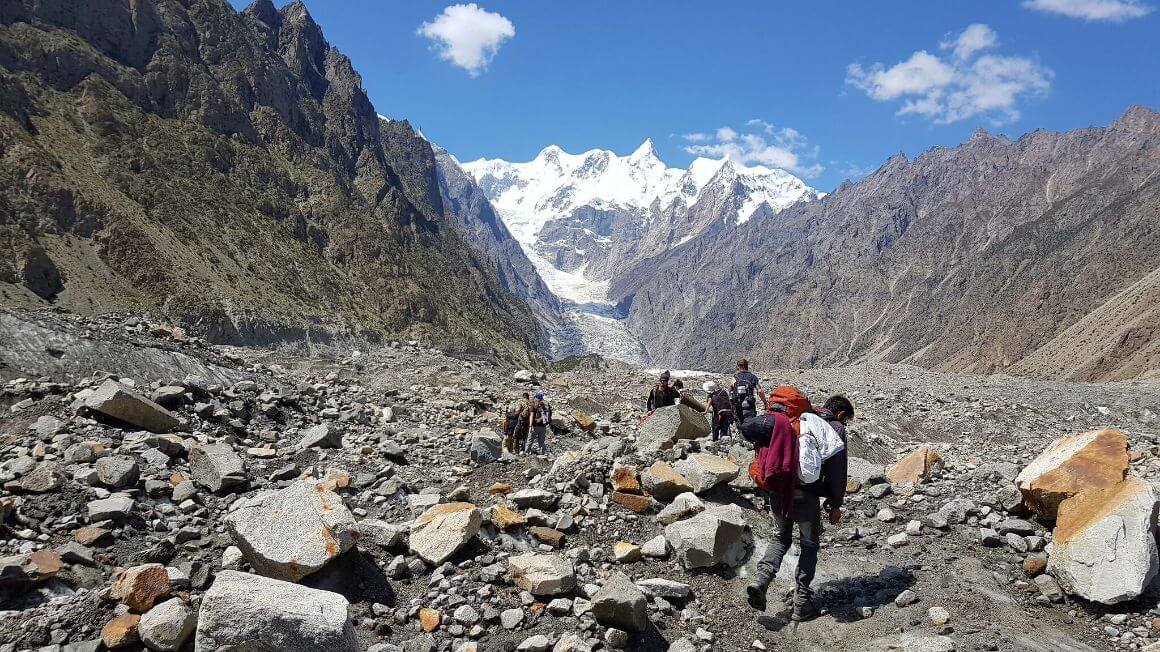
355	577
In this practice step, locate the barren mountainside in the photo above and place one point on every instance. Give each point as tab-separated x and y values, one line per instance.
1036	257
227	169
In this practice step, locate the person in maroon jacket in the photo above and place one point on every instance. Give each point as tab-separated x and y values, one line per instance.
802	509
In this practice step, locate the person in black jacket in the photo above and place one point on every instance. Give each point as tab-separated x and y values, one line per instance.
831	487
662	395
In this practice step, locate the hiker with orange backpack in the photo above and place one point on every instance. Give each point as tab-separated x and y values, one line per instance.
792	443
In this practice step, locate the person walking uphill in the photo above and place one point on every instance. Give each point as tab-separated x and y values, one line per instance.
792	444
662	395
744	392
515	424
539	418
831	487
719	409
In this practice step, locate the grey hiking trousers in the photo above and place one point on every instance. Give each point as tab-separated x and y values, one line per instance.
807	513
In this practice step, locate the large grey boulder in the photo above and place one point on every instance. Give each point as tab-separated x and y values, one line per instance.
45	477
620	603
719	535
486	446
1104	545
216	467
542	575
668	424
166	626
706	471
259	614
443	529
291	533
123	404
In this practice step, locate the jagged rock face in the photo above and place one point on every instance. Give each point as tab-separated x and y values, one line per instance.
926	262
228	169
466	203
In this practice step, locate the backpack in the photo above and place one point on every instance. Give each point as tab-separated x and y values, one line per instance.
743	394
721	405
814	444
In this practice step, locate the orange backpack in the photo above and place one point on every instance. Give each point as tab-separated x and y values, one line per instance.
794	402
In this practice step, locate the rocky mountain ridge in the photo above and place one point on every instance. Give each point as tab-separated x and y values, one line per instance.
1034	256
227	170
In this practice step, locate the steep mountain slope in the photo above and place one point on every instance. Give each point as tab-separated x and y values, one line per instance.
1036	256
227	170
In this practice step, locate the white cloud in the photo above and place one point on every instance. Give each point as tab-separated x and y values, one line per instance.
1109	10
965	85
974	38
468	36
760	143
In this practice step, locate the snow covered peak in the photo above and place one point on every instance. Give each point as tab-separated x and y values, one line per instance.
645	151
555	183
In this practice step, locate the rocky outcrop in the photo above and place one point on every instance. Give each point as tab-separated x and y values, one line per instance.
1073	464
1103	547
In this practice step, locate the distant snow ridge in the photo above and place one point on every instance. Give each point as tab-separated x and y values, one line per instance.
567	209
556	183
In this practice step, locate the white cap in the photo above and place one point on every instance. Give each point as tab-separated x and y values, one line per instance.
709	386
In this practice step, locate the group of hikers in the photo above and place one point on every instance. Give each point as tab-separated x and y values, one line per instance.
800	466
526	424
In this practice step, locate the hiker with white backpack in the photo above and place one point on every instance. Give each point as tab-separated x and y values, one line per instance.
794	446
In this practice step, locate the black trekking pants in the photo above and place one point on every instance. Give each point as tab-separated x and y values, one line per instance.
720	428
807	513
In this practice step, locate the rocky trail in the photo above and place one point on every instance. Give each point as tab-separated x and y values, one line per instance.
163	493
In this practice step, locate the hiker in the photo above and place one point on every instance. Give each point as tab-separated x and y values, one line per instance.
792	446
744	392
831	487
663	394
719	409
515	424
539	418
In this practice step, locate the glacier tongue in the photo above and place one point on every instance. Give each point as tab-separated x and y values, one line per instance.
593	323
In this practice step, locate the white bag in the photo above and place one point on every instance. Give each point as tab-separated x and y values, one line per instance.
809	458
829	442
818	442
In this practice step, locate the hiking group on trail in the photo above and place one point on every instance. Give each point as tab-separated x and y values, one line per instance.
526	424
799	466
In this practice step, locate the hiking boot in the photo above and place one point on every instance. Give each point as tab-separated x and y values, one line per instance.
804	607
805	610
756	593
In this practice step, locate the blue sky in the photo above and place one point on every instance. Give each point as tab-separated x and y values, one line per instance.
815	87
